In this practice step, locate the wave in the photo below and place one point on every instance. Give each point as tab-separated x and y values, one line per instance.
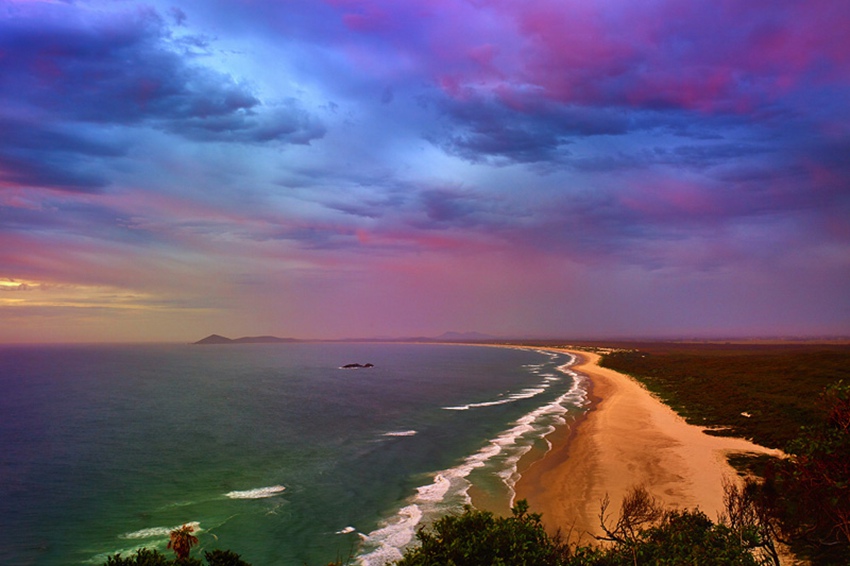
258	493
158	532
449	489
395	535
398	433
527	393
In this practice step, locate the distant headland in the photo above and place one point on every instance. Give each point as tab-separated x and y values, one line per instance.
444	337
216	339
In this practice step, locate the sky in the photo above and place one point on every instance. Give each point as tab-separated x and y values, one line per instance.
371	168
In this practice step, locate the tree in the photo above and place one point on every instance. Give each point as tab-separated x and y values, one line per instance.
224	558
182	541
645	533
750	520
638	510
147	557
143	557
809	492
478	537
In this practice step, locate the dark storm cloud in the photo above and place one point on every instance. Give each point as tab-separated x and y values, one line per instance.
481	130
33	154
57	71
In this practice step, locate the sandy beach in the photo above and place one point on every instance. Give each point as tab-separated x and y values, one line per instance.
627	438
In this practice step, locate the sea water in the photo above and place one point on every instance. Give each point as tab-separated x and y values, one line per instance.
270	450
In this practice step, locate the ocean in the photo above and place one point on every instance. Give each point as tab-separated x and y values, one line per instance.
271	450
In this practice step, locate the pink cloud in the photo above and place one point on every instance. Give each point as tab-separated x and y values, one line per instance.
672	199
708	57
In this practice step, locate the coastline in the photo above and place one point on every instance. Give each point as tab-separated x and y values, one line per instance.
626	438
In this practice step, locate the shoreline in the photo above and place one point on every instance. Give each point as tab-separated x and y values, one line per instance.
627	437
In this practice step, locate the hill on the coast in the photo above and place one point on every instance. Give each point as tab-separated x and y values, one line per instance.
444	337
463	336
216	339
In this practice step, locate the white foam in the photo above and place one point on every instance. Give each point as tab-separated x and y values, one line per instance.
158	532
526	393
435	491
396	534
400	433
435	499
258	493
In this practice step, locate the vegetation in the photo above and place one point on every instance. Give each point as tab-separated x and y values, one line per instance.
182	540
762	392
642	534
478	537
147	557
224	558
809	493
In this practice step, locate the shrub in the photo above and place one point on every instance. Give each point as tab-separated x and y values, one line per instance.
809	493
478	537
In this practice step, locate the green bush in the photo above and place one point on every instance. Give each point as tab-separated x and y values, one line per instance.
147	557
763	392
683	537
478	537
809	493
643	534
224	558
143	557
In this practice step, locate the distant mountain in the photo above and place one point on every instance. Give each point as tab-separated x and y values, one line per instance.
216	339
444	337
463	336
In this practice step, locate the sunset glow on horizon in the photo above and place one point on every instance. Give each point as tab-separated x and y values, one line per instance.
369	168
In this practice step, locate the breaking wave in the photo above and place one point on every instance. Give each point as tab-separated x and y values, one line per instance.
158	532
259	493
449	488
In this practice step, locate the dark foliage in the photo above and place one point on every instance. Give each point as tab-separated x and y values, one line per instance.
684	537
643	534
143	557
224	558
809	493
147	557
763	392
478	537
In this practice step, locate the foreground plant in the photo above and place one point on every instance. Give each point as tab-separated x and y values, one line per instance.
182	540
646	533
479	537
642	533
809	493
147	557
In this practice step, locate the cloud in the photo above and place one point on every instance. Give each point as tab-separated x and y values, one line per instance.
42	155
284	122
64	71
482	129
379	148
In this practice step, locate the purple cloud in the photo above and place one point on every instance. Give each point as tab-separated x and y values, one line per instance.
566	157
62	75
